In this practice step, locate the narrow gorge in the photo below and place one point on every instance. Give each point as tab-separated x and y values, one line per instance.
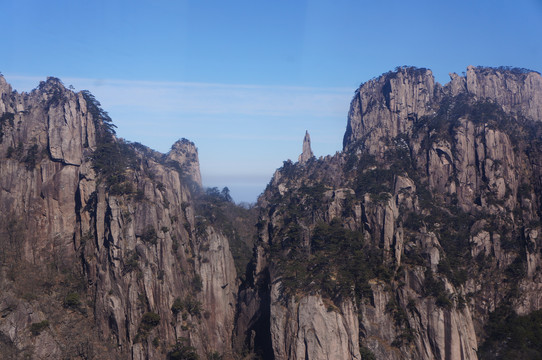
421	239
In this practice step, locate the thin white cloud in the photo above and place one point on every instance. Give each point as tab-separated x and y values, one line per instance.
236	127
209	98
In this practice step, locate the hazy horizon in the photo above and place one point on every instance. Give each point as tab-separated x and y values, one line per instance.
243	80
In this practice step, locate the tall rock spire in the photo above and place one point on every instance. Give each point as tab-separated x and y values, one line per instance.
185	153
307	152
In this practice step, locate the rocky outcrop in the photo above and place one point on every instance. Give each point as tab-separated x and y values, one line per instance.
388	106
516	90
102	252
219	293
318	332
307	154
440	186
405	245
392	104
185	154
46	136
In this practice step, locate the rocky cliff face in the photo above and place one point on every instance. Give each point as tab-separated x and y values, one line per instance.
420	240
410	241
102	252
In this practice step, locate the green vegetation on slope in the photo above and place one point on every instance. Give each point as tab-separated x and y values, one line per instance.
216	207
338	264
510	336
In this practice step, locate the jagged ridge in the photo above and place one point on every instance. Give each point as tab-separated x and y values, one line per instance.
416	241
432	213
103	254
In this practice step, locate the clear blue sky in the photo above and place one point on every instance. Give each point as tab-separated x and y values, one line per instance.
245	79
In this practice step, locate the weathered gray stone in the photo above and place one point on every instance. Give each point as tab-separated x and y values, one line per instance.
65	216
319	332
307	154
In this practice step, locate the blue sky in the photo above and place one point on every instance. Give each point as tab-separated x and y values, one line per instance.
245	79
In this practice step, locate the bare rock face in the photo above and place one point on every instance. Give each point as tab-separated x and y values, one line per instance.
46	136
387	106
320	331
219	294
403	246
391	104
307	154
185	154
102	252
516	90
